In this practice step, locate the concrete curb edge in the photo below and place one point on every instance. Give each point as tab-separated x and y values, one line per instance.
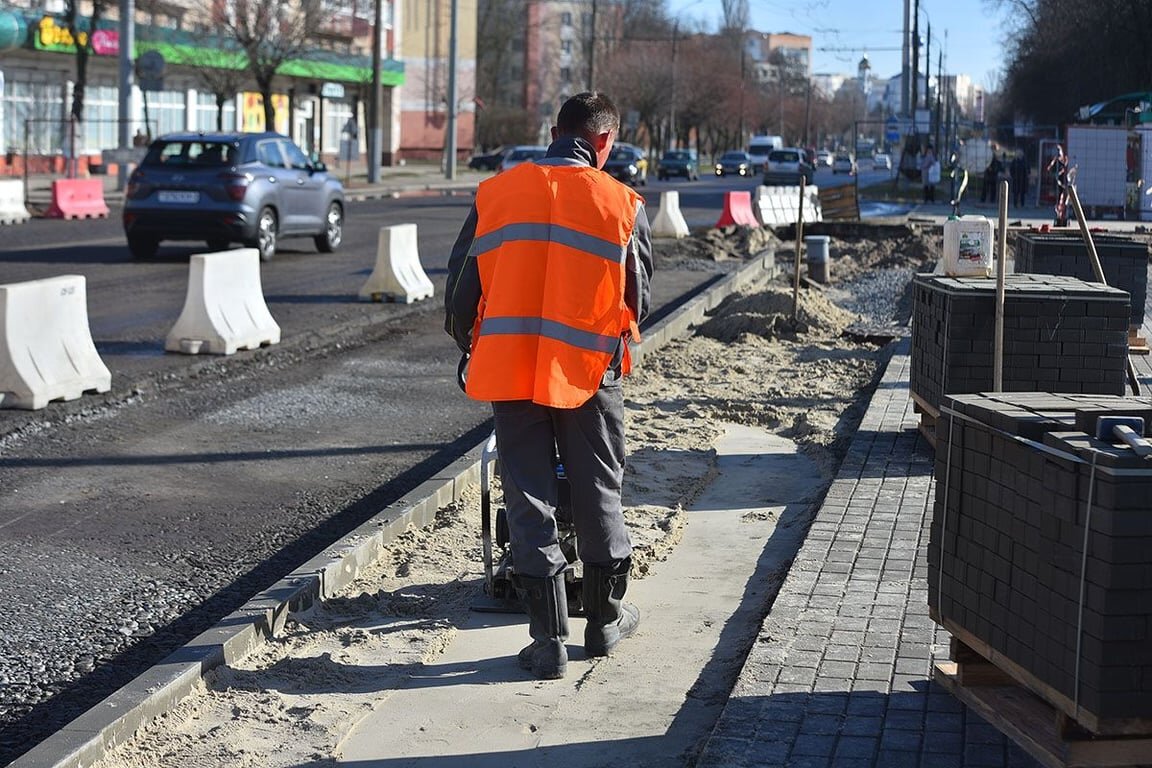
115	720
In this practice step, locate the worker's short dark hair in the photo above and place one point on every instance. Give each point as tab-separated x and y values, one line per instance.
587	115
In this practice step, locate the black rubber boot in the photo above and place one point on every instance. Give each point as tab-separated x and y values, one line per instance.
547	603
610	619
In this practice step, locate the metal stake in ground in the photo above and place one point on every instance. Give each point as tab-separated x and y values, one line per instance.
1002	250
1098	270
799	245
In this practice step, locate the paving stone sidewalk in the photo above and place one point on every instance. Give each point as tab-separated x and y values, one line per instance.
840	674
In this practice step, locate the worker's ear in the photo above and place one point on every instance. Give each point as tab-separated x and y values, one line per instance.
603	140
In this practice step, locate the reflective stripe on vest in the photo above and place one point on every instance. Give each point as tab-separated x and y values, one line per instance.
551	246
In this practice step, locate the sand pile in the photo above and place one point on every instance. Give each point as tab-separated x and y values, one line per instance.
768	313
705	247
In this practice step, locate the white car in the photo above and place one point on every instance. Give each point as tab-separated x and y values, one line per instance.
882	162
824	158
844	163
524	153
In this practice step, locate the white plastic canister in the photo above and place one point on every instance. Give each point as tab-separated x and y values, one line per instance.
968	246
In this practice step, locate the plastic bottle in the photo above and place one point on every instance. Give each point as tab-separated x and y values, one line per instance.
968	246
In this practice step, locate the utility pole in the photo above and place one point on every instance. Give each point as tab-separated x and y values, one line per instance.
450	139
905	57
928	77
375	128
124	111
672	110
592	52
915	63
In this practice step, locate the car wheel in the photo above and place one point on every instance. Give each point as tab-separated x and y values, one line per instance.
333	229
143	247
265	240
218	244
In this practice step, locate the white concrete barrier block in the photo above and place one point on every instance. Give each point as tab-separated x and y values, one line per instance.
13	209
224	307
669	221
46	348
398	274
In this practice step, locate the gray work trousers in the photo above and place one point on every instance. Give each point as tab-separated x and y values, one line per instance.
590	442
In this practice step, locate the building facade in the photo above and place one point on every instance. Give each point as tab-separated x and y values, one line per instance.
319	95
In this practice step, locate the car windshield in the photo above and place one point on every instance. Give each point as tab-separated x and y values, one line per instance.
676	156
784	157
733	156
211	154
622	153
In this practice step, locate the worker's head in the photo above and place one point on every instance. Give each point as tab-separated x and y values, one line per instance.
590	116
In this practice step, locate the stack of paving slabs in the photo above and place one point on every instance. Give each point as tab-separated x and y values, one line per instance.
1040	551
1124	261
1061	334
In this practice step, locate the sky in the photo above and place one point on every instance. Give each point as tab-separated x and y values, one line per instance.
975	31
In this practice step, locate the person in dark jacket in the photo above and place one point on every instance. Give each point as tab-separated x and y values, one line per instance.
547	283
1018	178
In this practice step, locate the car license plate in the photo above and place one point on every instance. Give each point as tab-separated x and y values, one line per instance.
167	196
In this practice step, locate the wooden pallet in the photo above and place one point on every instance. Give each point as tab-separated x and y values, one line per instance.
928	418
1137	344
839	203
1033	714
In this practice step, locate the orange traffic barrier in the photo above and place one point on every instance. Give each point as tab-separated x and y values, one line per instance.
77	199
737	210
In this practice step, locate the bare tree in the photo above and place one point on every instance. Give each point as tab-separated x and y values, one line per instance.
82	37
735	14
270	33
1066	54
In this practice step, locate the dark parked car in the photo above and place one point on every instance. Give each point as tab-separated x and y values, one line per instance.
628	164
489	161
678	162
251	188
734	162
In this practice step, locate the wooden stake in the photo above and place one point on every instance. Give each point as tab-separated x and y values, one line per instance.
1002	254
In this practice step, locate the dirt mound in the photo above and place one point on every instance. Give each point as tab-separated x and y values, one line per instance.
768	313
912	248
713	245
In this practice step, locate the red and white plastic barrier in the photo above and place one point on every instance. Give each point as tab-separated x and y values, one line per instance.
12	204
737	211
669	221
398	275
77	199
224	307
46	348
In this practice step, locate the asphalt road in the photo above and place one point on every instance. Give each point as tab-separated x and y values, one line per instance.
131	521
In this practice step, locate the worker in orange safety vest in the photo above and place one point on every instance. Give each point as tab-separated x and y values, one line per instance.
547	283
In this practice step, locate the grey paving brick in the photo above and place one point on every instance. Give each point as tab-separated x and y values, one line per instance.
856	747
813	745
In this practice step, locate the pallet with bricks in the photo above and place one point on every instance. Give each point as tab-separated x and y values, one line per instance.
1033	714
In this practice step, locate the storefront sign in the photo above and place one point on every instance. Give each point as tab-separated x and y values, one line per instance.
53	36
332	91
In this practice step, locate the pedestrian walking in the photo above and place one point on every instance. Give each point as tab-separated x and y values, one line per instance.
547	283
1018	178
1058	167
930	173
988	182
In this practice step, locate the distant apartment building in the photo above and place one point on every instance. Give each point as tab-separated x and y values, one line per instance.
768	53
424	49
319	95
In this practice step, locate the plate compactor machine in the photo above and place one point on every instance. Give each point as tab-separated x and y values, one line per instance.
499	589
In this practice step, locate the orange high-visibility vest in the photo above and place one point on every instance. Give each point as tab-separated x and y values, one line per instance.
551	245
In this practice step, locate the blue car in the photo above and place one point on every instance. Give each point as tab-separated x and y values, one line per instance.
224	188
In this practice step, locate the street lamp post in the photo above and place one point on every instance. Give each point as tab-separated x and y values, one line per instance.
375	128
